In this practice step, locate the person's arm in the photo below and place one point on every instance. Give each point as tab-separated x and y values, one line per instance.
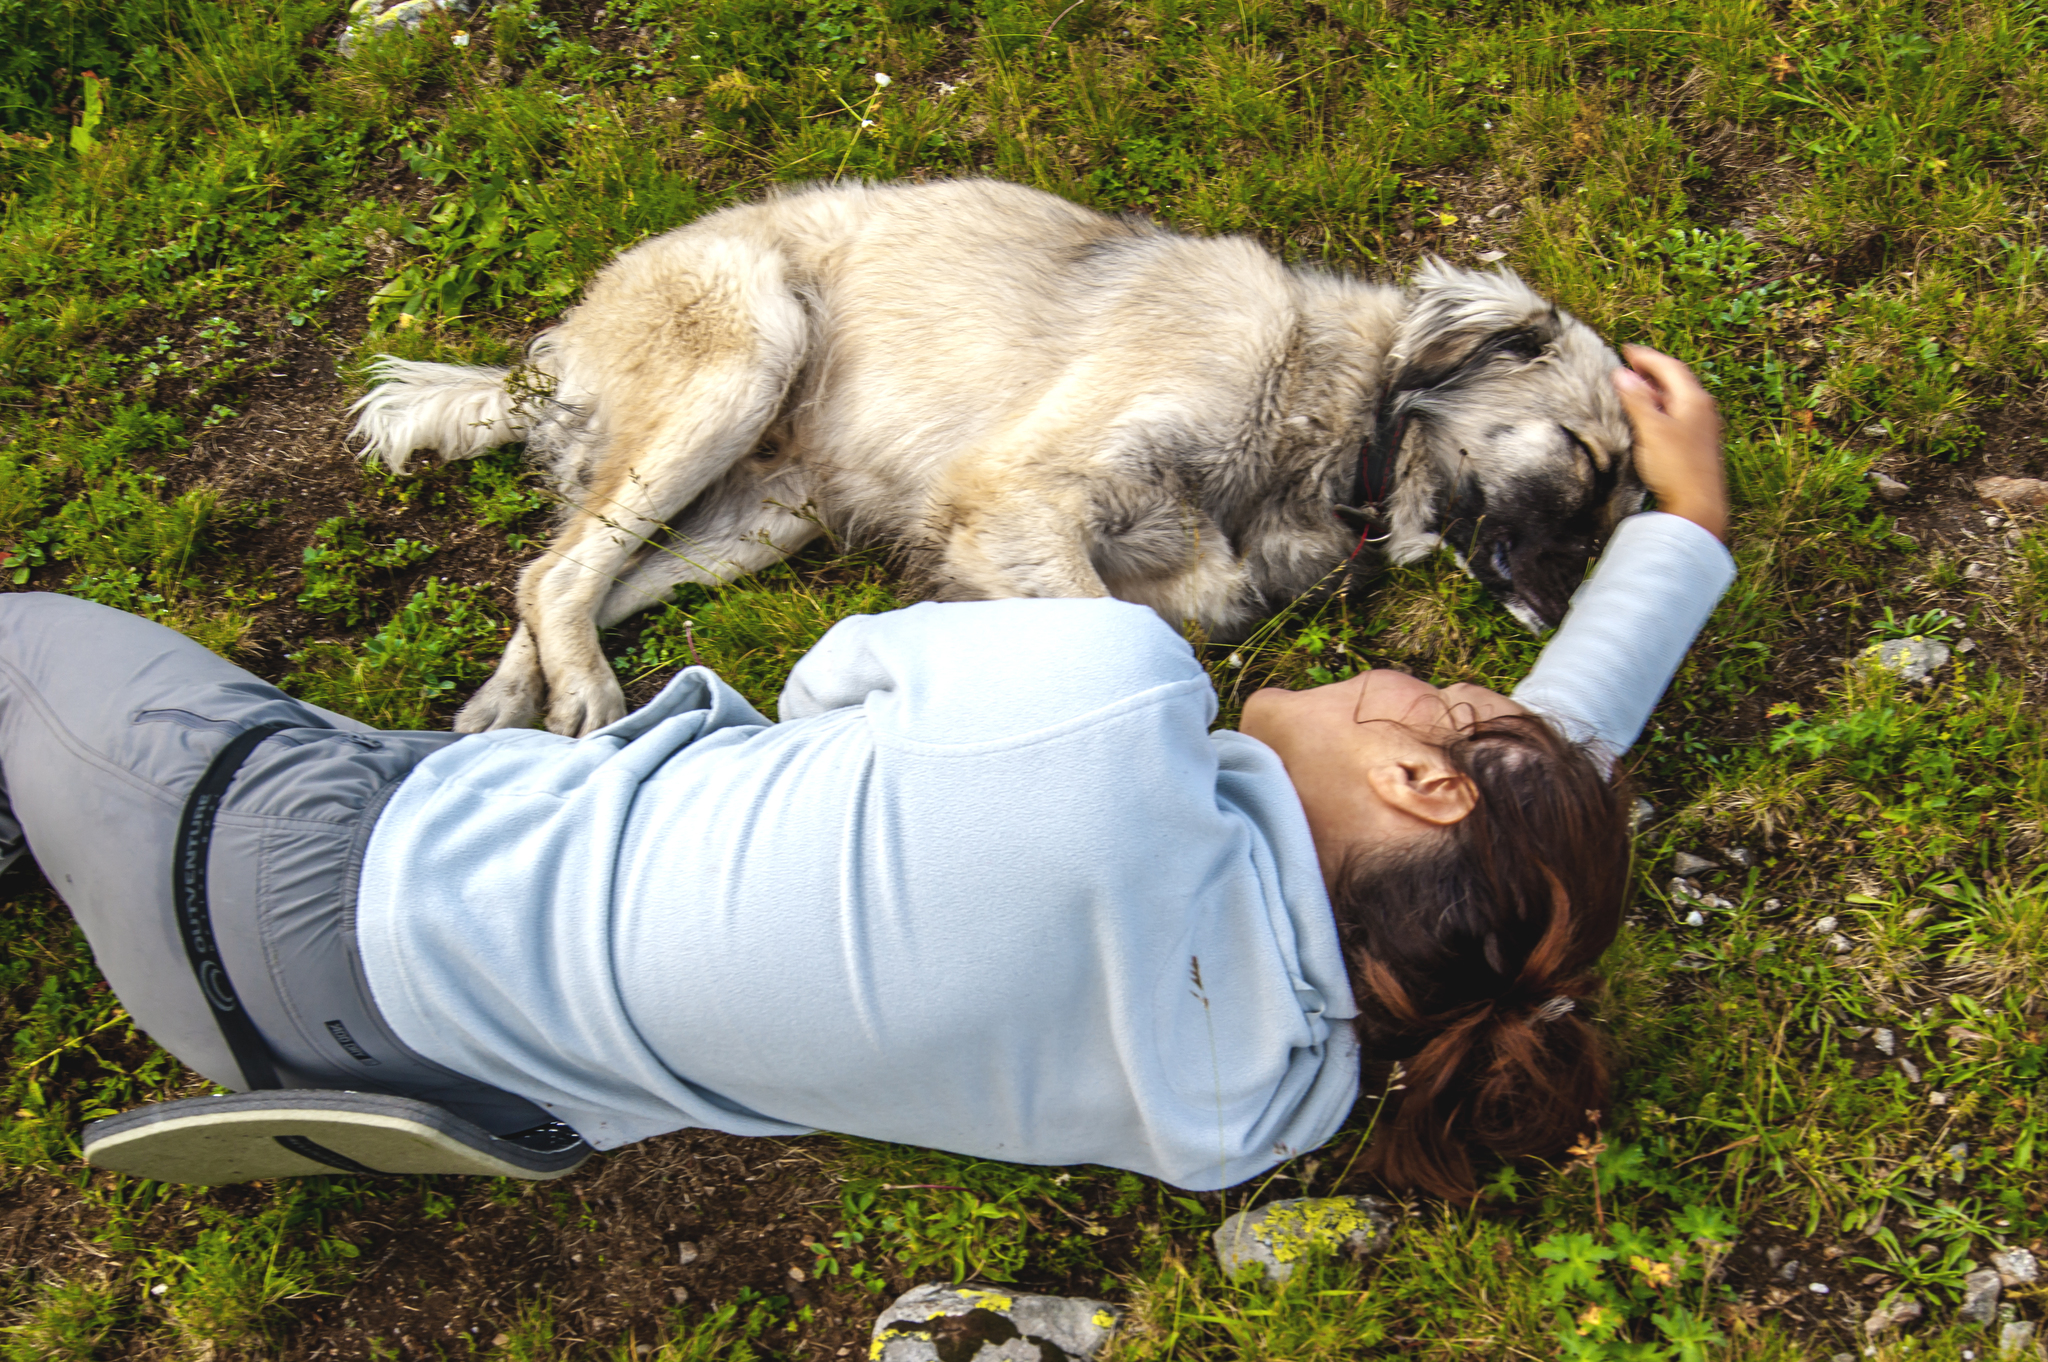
1631	624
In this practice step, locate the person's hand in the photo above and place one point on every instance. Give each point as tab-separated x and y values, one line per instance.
1678	438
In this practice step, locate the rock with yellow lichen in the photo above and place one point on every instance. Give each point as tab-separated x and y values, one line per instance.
1279	1234
941	1322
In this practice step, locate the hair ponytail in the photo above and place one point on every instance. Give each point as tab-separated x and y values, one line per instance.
1472	955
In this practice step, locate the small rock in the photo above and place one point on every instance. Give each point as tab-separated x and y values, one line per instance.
1842	944
1968	645
1500	209
1940	1099
1773	905
1911	659
2015	1337
2028	492
1894	1312
1975	572
985	1324
1739	856
1875	430
1695	918
1817	1288
1641	814
1909	1069
1883	1040
1889	489
1790	1270
2016	1267
1825	925
1980	1297
1685	863
1684	889
1279	1233
380	16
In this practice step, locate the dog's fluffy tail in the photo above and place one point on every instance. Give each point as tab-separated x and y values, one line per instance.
456	410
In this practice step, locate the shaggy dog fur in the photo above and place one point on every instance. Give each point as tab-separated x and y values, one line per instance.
1026	398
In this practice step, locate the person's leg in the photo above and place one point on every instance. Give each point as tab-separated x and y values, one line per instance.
106	722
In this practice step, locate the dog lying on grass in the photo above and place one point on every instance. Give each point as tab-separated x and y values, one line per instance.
1025	398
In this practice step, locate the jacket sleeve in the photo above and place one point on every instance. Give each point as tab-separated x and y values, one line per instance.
981	671
1627	630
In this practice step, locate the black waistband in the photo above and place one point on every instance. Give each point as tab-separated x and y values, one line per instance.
195	914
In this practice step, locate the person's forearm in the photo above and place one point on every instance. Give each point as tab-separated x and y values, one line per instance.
1628	629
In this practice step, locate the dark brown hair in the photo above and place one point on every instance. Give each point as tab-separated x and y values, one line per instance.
1472	956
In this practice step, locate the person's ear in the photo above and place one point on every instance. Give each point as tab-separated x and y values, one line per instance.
1426	787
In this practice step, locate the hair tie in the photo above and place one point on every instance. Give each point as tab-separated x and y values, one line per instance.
1555	1008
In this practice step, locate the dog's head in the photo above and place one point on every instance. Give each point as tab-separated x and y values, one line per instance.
1512	446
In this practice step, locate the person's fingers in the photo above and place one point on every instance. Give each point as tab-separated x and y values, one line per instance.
1635	392
1680	392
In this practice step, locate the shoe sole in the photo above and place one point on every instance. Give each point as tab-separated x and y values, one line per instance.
242	1137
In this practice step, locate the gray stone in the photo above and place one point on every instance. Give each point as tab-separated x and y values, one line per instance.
1281	1233
2016	1337
1912	659
2016	1267
1888	488
1980	1297
1641	814
380	16
2029	492
1884	1041
1686	890
1893	1313
1685	863
988	1324
1741	856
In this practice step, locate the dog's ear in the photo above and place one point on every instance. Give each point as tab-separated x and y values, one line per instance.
1459	321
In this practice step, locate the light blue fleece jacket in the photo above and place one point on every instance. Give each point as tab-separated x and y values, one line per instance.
990	886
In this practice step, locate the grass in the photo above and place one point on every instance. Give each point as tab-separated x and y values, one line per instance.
1833	209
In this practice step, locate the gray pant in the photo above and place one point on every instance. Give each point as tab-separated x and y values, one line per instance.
106	723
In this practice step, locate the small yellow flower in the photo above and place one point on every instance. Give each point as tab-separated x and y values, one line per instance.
1595	1318
1653	1273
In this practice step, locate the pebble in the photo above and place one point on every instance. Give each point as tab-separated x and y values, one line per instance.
1887	488
2015	1337
1883	1040
2028	492
1741	856
1899	1310
1279	1233
1641	814
1825	925
1911	659
1684	889
986	1324
2015	1267
1500	209
686	1253
1685	863
1909	1069
1842	944
1980	1297
1695	918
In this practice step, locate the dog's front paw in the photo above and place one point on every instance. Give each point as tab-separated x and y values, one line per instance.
586	708
506	701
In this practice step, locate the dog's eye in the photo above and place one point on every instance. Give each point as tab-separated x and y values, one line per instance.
1519	345
1590	466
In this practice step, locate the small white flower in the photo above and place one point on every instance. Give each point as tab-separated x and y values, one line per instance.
867	122
1817	1288
460	40
159	1288
1234	660
881	78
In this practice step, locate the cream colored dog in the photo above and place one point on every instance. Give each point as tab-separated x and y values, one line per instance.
1026	398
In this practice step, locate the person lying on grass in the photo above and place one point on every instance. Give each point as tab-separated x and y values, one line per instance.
991	886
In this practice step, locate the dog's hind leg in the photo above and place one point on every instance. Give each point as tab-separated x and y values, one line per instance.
691	355
745	524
